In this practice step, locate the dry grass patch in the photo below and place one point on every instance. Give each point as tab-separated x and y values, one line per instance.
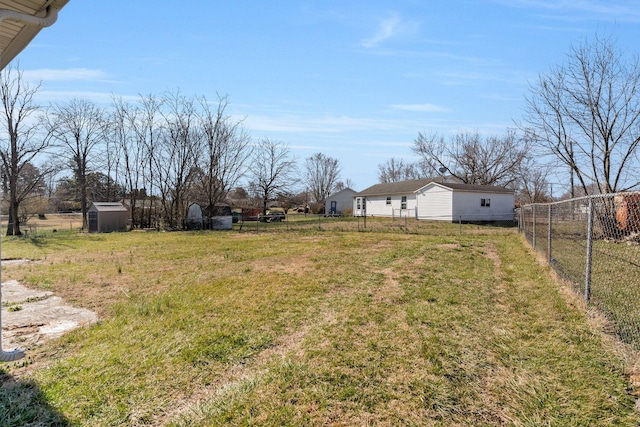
318	329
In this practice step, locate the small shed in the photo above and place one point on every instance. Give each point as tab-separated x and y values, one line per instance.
105	217
340	202
194	217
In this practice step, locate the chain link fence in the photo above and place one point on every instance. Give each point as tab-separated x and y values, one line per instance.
397	224
594	242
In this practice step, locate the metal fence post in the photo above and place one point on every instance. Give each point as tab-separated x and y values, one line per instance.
587	278
549	237
533	207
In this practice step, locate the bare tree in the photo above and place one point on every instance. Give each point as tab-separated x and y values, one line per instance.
79	126
473	159
321	176
176	159
23	142
341	185
272	170
225	150
394	170
532	185
586	113
131	152
148	131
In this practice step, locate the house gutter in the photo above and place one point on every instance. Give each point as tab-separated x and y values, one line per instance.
24	18
50	17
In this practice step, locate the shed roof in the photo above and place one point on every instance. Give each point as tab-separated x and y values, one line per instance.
344	190
109	207
16	34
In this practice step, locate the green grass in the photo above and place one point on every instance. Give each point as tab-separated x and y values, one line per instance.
615	274
312	328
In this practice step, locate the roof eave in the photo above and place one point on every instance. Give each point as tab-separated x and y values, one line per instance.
26	34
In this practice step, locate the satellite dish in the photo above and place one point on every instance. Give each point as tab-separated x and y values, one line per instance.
442	169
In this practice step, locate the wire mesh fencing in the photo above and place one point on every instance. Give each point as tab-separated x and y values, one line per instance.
396	224
594	242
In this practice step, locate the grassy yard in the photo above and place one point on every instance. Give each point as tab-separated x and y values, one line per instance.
310	327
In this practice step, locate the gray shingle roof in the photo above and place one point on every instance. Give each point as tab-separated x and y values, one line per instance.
109	207
411	186
402	187
476	188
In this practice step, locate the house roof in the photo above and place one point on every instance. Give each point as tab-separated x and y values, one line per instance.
475	188
109	207
18	26
401	187
344	190
412	186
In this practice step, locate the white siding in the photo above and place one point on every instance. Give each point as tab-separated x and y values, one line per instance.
377	206
467	206
343	199
435	203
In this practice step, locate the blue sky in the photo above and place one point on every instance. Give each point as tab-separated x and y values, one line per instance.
356	80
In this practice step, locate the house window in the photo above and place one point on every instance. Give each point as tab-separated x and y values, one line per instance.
403	203
358	203
389	200
485	202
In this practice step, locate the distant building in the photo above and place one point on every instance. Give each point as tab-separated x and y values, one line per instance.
436	199
340	202
105	217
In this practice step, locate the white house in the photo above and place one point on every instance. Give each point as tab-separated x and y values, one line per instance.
338	203
444	201
436	199
389	199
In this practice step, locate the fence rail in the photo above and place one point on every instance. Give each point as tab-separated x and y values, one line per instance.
407	224
594	242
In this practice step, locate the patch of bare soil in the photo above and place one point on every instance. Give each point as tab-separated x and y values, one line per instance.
491	252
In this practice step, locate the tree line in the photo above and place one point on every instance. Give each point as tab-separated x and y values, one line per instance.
581	125
159	154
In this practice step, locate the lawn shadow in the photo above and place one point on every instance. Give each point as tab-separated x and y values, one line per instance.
22	403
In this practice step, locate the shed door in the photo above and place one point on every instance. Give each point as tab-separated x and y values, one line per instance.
334	207
93	221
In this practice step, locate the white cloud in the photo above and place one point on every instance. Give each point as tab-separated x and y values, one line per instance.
423	108
69	74
389	28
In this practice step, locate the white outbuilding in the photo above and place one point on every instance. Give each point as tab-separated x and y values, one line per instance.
339	203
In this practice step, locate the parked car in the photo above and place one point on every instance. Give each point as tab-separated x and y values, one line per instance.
273	216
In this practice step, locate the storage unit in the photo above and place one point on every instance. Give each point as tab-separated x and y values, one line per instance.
105	217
